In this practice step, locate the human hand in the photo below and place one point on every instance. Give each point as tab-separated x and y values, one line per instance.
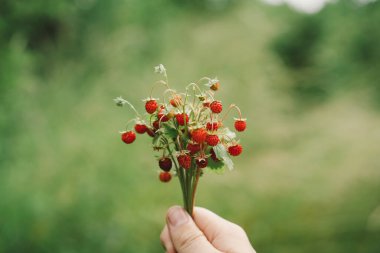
207	233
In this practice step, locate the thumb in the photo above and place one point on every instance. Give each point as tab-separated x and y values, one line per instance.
185	235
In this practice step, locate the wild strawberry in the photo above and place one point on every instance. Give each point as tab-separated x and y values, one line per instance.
199	135
240	125
201	162
165	176
213	155
156	125
150	132
140	128
161	114
176	100
193	148
165	163
184	161
182	118
128	137
216	106
151	106
212	126
235	150
212	139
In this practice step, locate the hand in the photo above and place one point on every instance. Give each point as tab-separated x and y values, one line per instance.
207	233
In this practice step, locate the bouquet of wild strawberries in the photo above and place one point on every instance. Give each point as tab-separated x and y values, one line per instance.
187	131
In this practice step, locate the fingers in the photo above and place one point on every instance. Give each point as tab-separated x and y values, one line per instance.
185	235
166	240
223	234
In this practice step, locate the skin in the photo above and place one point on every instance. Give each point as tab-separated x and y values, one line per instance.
207	233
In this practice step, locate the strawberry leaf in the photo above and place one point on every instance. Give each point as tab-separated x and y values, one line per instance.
222	154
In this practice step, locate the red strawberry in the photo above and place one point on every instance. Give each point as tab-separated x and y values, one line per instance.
184	161
150	132
161	115
201	162
140	128
165	163
128	137
216	107
235	150
212	126
213	155
176	101
199	135
212	139
165	176
151	106
193	148
156	125
240	125
181	117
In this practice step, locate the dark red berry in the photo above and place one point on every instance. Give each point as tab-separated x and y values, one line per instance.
201	162
140	128
165	176
156	125
199	135
213	155
165	163
128	137
184	161
212	139
240	125
212	126
150	132
182	118
151	106
216	107
193	148
235	150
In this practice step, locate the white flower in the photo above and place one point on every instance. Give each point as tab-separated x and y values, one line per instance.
120	101
160	69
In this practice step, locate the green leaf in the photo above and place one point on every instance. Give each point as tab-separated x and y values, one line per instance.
222	154
170	131
213	165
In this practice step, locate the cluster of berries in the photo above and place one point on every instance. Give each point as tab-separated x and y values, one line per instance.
188	132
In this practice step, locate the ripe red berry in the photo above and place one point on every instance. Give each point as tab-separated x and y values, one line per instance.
216	107
235	150
165	163
213	155
128	137
199	135
165	176
156	125
212	126
240	125
151	106
150	132
201	162
182	118
212	139
184	161
140	128
193	148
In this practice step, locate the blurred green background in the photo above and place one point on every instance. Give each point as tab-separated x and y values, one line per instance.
309	177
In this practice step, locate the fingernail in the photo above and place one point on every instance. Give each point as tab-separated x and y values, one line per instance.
177	216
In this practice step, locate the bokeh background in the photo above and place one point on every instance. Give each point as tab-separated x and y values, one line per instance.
308	80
